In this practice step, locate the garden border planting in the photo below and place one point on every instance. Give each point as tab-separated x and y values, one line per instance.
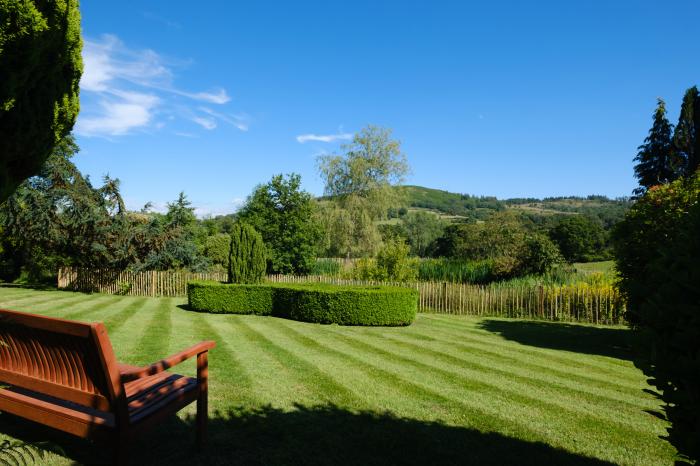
315	302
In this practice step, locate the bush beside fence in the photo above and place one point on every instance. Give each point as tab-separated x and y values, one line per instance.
579	302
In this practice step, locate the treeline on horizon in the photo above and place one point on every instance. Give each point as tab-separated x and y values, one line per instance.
59	218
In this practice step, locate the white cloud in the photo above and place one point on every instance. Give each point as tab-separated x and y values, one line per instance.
206	123
240	121
302	138
119	113
214	209
217	97
123	88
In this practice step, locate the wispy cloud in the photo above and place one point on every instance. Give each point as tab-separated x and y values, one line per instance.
124	90
184	134
120	112
206	123
240	121
302	138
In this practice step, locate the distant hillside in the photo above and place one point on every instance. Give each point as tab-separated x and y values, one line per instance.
471	207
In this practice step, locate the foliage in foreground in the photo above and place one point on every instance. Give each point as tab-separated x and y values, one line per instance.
319	303
41	65
658	257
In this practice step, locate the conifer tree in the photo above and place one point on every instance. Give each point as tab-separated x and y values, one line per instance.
247	261
685	135
655	159
40	68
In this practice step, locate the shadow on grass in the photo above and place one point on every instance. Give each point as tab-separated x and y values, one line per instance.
38	286
321	435
613	342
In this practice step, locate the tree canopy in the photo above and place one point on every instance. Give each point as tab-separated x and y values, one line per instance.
284	215
685	136
40	69
580	238
359	184
656	158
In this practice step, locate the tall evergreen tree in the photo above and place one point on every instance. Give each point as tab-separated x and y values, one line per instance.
685	135
655	159
247	261
40	68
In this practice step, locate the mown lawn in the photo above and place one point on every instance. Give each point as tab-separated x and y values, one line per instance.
446	390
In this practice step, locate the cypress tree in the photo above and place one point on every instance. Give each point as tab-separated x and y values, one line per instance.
40	68
694	163
655	159
685	135
247	259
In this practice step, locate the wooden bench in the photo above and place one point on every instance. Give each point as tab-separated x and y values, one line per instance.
64	374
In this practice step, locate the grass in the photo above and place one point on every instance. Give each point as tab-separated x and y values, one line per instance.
592	267
446	390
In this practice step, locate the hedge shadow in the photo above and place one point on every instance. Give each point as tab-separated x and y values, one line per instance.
613	342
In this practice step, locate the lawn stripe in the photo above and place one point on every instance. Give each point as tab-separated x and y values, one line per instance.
95	306
227	374
436	403
157	334
323	387
609	384
571	359
546	422
526	389
545	358
28	304
13	295
117	318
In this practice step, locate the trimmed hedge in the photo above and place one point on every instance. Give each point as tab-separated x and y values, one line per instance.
319	303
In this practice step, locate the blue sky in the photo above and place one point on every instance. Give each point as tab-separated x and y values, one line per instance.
505	98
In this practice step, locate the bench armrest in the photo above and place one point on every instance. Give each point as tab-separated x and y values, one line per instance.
165	364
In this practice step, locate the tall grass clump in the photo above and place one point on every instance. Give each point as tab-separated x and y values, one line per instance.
326	266
456	271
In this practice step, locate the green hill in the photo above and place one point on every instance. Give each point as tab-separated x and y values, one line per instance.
468	207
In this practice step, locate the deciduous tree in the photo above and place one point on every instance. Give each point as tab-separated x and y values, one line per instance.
360	182
283	214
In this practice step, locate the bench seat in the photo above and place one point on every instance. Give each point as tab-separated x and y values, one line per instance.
64	374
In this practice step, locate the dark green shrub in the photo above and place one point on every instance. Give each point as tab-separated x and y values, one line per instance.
247	261
319	303
657	247
218	248
580	238
230	298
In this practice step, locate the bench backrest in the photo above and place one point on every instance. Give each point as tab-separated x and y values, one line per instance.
64	359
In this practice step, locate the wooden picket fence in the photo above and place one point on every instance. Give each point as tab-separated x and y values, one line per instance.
151	283
580	302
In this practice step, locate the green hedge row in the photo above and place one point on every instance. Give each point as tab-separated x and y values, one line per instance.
320	303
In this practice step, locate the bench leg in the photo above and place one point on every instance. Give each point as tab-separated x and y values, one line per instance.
121	451
202	399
